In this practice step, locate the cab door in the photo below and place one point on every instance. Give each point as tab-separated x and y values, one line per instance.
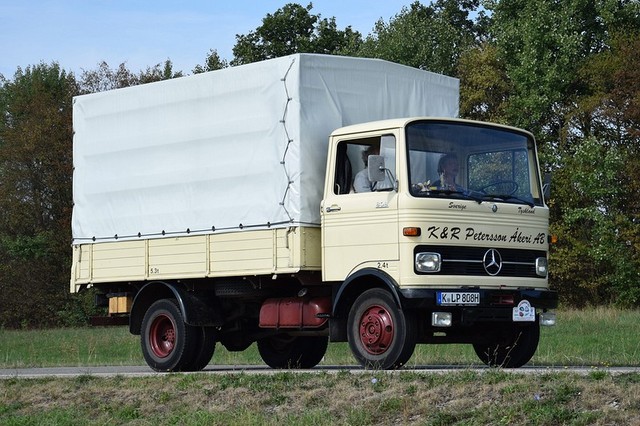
360	229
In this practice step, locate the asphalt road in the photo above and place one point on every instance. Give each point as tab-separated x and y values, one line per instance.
143	370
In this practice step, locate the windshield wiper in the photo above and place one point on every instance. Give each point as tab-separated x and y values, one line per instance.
478	196
505	197
472	195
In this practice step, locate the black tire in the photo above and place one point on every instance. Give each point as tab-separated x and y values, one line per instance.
204	345
283	351
167	342
312	349
512	348
380	334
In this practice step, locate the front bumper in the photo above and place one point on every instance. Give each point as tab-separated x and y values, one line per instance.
491	300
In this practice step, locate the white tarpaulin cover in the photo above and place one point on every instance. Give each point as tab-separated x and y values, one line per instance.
230	149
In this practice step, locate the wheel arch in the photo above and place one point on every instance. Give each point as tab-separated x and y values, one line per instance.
147	295
350	289
197	308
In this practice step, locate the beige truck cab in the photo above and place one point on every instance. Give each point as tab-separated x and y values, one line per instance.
430	255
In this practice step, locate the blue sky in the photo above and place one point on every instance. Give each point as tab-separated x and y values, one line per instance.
79	34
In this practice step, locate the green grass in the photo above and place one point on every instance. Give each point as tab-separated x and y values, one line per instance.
598	337
592	337
463	397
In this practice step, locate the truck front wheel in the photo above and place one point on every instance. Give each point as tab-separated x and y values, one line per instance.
167	342
513	347
282	351
380	334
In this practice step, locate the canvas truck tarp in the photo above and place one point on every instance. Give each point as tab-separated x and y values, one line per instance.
233	149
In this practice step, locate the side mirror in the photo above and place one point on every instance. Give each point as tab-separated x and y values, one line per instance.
546	187
376	168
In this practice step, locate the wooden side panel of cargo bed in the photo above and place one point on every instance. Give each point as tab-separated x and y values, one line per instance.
118	261
180	257
265	252
81	265
262	252
240	253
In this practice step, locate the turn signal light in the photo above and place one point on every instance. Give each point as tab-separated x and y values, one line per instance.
411	232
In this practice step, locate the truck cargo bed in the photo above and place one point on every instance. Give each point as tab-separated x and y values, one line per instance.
261	252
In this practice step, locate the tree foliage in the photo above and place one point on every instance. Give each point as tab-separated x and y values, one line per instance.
212	62
593	259
35	193
597	211
484	85
429	37
105	78
543	44
293	29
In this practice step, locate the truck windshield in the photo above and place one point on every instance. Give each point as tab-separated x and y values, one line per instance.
472	161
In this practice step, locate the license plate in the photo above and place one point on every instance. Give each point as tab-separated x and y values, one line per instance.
458	298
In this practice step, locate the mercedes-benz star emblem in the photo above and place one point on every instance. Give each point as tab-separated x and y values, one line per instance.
492	262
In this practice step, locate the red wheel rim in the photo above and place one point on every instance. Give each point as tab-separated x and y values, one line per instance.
376	330
162	336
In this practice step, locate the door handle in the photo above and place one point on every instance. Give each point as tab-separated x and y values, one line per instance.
333	208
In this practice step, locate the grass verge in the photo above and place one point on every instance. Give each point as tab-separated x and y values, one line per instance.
593	337
462	397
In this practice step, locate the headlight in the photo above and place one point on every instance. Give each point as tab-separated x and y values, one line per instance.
428	262
541	266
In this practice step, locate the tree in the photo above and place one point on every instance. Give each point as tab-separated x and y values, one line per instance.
35	193
593	259
211	63
612	110
429	37
484	85
158	72
543	44
596	208
104	78
293	29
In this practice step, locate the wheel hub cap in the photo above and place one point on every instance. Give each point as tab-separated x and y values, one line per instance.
162	336
376	330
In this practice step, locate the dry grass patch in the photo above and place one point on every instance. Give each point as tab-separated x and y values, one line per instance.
463	397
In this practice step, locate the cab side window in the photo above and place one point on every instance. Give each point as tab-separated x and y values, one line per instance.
351	175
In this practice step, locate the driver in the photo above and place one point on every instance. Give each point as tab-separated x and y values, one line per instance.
361	182
448	170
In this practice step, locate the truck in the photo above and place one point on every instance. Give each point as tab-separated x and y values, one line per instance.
304	200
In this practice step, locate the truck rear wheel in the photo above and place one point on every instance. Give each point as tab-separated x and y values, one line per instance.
513	347
167	342
203	348
282	351
380	334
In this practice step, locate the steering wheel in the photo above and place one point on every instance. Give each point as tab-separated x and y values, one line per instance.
513	186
